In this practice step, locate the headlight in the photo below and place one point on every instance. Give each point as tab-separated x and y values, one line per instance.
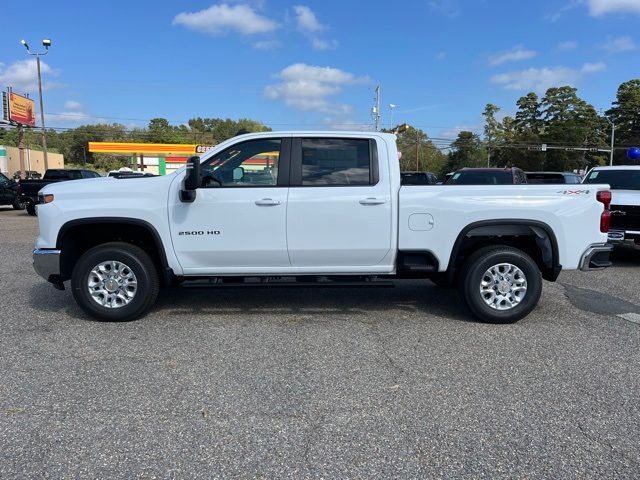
48	198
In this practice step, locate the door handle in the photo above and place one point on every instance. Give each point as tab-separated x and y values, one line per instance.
372	201
267	202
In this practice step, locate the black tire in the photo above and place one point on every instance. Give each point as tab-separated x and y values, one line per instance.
31	209
472	275
18	205
140	264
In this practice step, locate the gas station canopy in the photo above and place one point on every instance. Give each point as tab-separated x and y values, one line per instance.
145	148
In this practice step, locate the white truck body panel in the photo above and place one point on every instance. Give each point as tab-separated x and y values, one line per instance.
320	230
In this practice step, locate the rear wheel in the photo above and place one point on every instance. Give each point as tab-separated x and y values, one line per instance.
31	209
500	284
18	205
115	282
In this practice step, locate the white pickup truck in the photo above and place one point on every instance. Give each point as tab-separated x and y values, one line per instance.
624	181
319	207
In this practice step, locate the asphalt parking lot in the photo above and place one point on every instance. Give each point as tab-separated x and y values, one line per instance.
343	382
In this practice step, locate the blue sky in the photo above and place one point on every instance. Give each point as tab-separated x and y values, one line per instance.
314	64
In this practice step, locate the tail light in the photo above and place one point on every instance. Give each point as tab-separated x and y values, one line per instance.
604	197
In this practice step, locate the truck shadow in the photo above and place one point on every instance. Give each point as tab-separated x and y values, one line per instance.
299	304
316	303
626	255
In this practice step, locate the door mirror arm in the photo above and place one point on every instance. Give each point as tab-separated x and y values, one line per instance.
192	180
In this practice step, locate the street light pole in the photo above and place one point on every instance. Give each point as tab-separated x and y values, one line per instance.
613	138
46	43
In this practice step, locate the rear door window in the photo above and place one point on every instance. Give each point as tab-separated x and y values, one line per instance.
617	179
336	162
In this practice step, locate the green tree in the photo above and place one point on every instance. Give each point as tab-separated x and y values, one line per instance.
418	152
625	113
569	121
466	151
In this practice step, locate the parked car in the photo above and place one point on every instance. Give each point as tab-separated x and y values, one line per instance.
9	193
488	176
329	208
625	203
418	178
537	178
29	188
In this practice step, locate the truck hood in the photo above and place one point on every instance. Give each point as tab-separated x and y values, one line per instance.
107	185
625	197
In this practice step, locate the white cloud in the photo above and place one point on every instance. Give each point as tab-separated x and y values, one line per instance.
222	18
22	76
515	54
72	118
452	133
308	87
346	125
602	7
308	24
448	8
540	79
568	45
320	44
267	44
619	44
307	20
73	105
593	67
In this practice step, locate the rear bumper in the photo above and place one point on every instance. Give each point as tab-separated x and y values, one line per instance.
618	236
596	257
46	263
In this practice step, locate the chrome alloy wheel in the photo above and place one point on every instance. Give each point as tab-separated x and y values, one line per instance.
503	286
112	284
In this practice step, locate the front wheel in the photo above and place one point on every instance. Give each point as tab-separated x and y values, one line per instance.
18	205
500	284
115	282
31	209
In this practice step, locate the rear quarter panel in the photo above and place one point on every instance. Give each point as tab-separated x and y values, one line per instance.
573	214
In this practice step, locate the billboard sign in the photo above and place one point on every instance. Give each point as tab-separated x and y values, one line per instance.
22	110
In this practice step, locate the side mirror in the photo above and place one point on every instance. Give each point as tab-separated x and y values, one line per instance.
238	174
192	180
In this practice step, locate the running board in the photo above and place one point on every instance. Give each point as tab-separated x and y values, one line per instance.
272	282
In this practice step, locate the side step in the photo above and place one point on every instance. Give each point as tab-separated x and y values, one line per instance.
271	282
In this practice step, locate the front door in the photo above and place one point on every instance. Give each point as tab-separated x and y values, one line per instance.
340	208
237	224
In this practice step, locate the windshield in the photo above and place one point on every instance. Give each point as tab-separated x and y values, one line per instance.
62	175
476	177
617	179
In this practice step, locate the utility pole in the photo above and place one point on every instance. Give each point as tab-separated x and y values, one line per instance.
21	150
375	110
613	138
46	43
417	152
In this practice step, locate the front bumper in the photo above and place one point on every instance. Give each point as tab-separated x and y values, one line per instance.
596	257
46	263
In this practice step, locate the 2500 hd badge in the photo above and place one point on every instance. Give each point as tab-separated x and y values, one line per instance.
200	232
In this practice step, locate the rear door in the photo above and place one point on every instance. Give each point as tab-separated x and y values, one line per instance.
339	210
